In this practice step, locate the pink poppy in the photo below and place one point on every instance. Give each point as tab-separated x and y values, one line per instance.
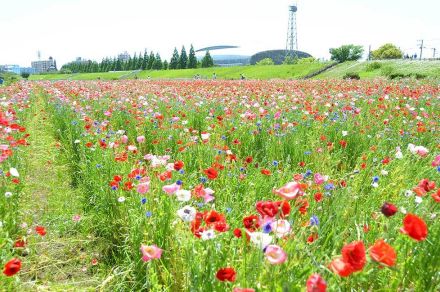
289	191
150	252
275	254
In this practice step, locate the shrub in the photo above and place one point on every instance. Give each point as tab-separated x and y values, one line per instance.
306	60
289	60
351	75
25	75
387	71
265	62
373	66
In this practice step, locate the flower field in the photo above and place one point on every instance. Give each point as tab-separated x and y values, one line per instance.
229	185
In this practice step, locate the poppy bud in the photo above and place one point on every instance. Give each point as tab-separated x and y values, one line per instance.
388	209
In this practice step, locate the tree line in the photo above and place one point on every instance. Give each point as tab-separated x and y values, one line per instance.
143	61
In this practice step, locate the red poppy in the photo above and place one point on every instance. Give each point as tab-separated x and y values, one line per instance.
211	173
388	209
19	243
267	208
251	223
427	185
318	197
414	227
226	274
178	165
266	172
354	254
12	267
315	283
212	217
221	226
40	230
237	289
383	253
436	196
340	267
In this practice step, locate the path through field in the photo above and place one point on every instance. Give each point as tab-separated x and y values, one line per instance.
61	259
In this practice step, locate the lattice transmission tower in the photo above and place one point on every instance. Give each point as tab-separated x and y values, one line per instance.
292	39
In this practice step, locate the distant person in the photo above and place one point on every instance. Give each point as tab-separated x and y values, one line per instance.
242	77
214	76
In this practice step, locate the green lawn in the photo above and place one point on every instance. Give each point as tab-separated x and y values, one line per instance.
251	72
428	68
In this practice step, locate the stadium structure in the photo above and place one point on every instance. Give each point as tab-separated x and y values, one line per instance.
278	56
225	60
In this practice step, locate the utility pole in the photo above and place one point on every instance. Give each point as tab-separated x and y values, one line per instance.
421	49
433	52
369	53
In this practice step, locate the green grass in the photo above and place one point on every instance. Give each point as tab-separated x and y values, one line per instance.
428	68
80	76
251	72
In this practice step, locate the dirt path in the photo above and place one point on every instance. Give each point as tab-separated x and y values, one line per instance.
61	260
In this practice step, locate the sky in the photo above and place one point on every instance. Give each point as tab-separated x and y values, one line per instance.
93	29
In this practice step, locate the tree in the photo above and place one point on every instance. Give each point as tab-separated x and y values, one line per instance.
207	60
138	65
25	75
347	53
387	51
157	65
183	60
118	65
145	60
192	60
150	61
174	62
165	65
265	61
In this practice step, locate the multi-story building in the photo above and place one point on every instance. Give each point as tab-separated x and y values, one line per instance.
44	65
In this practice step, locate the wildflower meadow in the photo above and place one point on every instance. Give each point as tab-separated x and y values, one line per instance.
143	185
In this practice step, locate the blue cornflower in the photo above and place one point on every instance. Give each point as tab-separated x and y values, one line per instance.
275	163
329	187
314	220
179	182
307	153
228	210
143	200
114	188
200	205
219	152
148	214
181	171
223	137
98	165
74	123
203	179
267	228
138	177
375	178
